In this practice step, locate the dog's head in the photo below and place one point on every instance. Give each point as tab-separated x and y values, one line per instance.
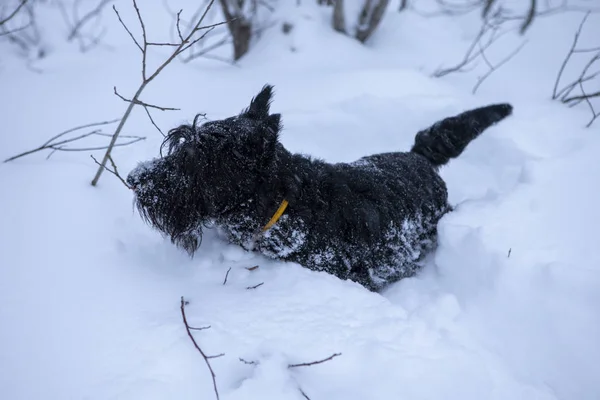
207	171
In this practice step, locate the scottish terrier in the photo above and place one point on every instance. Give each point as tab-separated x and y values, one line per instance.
371	221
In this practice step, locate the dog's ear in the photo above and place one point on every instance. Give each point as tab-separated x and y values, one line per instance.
259	106
261	144
273	122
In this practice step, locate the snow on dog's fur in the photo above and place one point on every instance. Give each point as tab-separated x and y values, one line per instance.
371	221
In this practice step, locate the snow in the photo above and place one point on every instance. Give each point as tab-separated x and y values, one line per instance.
506	308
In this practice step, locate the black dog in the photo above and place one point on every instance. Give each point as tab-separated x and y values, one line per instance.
371	221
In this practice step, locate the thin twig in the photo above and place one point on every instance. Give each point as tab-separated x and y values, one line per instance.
495	67
141	103
469	56
590	105
112	121
226	276
566	60
581	97
147	79
204	356
202	328
127	29
152	120
113	171
303	394
530	15
308	364
248	362
15	12
52	144
255	286
79	24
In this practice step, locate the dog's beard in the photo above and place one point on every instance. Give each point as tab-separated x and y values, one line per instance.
182	227
166	200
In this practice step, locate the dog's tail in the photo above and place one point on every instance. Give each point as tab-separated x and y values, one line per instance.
449	137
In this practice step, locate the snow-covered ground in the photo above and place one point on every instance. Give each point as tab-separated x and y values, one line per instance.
507	308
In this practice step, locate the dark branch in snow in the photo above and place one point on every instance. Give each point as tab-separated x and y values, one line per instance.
127	29
86	18
530	15
489	33
303	394
60	145
141	103
27	36
585	76
202	328
493	67
226	276
308	364
184	43
113	171
152	120
204	356
12	14
77	24
255	286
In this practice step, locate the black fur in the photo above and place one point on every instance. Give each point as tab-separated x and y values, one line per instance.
371	220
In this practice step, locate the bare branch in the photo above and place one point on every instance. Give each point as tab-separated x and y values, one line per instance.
303	394
493	68
145	78
204	356
87	17
141	103
487	7
163	44
78	128
569	54
15	30
468	58
15	12
53	144
144	37
127	29
152	120
590	105
565	92
226	276
204	52
530	15
255	286
202	328
209	29
179	26
581	97
308	364
113	171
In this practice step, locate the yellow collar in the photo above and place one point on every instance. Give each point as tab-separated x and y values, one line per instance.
276	216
